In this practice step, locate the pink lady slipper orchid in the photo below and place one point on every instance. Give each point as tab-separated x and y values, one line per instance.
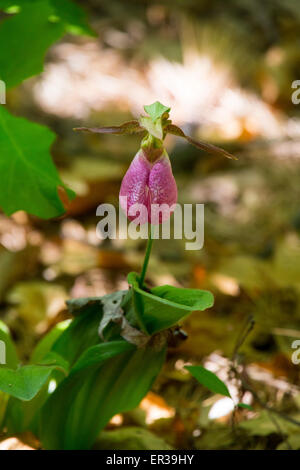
149	189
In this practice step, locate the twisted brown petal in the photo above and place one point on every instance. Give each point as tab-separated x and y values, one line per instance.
209	148
129	127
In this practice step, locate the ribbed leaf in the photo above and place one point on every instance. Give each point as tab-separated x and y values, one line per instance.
23	415
164	306
209	380
85	401
100	353
24	383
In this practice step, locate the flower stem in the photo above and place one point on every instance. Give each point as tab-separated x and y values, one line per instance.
146	259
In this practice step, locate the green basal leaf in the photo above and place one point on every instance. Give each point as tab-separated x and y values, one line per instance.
25	382
96	393
164	306
192	298
54	359
100	353
45	344
209	380
24	415
106	378
109	377
156	110
31	182
80	335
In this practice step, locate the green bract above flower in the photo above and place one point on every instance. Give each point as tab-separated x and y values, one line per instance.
156	110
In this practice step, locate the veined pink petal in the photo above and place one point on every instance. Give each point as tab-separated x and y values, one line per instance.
135	185
151	185
162	189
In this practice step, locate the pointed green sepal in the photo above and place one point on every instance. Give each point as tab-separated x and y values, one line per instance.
156	110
